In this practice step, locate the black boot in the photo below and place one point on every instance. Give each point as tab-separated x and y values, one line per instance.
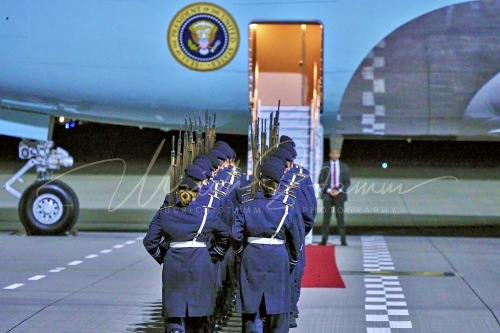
293	322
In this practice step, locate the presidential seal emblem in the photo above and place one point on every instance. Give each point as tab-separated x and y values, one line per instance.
203	37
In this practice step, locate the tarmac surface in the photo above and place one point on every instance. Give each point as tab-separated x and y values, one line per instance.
399	275
107	282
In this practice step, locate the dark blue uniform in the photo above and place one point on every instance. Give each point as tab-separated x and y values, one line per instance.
265	263
307	186
298	178
187	282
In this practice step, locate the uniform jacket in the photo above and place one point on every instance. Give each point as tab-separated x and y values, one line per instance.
305	181
187	279
265	268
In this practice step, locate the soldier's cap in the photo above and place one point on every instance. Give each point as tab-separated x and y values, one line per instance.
224	148
287	155
288	139
272	170
196	172
214	161
188	184
233	153
205	160
288	146
275	158
204	164
219	154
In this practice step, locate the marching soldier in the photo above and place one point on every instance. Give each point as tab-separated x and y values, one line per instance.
269	240
186	238
298	177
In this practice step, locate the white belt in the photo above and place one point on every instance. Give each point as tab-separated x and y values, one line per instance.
188	244
268	241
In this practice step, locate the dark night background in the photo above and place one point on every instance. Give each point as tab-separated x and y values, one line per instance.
92	141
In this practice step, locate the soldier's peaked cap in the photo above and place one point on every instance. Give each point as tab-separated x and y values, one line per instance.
284	139
204	164
272	170
214	161
196	172
225	148
188	184
275	158
219	154
287	155
288	146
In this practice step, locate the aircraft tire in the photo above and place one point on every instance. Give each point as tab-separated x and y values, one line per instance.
48	208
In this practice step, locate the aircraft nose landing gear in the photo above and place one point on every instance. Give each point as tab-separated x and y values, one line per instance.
46	207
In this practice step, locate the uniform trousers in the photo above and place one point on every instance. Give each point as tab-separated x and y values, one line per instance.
338	204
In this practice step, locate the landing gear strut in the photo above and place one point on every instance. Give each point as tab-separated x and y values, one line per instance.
46	207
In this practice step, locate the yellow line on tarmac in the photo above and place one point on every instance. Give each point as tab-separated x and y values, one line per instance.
402	273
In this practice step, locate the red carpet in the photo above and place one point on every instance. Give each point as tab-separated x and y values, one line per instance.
321	268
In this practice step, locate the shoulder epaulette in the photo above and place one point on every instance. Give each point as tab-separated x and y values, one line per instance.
290	193
220	192
246	201
301	175
214	196
246	193
235	173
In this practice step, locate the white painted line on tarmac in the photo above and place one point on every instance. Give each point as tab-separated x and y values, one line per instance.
377	318
36	277
73	263
14	286
400	324
402	312
57	270
375	307
378	330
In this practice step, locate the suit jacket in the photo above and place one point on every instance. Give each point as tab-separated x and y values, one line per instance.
325	179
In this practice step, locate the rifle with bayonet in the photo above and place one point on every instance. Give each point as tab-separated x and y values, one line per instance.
275	125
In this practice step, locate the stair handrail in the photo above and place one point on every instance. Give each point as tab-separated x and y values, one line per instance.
316	131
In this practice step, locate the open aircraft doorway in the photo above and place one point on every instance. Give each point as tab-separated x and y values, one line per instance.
286	62
286	66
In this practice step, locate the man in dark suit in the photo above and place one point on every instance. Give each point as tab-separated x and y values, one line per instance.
334	181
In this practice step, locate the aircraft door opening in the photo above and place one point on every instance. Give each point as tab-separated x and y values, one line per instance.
285	63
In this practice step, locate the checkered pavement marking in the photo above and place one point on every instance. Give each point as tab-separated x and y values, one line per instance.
385	304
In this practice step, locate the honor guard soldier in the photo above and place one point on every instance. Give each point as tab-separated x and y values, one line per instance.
303	174
299	177
186	238
226	181
268	239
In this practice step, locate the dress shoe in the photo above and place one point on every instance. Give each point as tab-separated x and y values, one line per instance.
293	322
344	244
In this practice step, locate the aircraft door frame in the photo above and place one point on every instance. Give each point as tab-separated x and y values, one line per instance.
272	49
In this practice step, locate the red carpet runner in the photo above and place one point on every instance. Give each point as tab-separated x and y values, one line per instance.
321	268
